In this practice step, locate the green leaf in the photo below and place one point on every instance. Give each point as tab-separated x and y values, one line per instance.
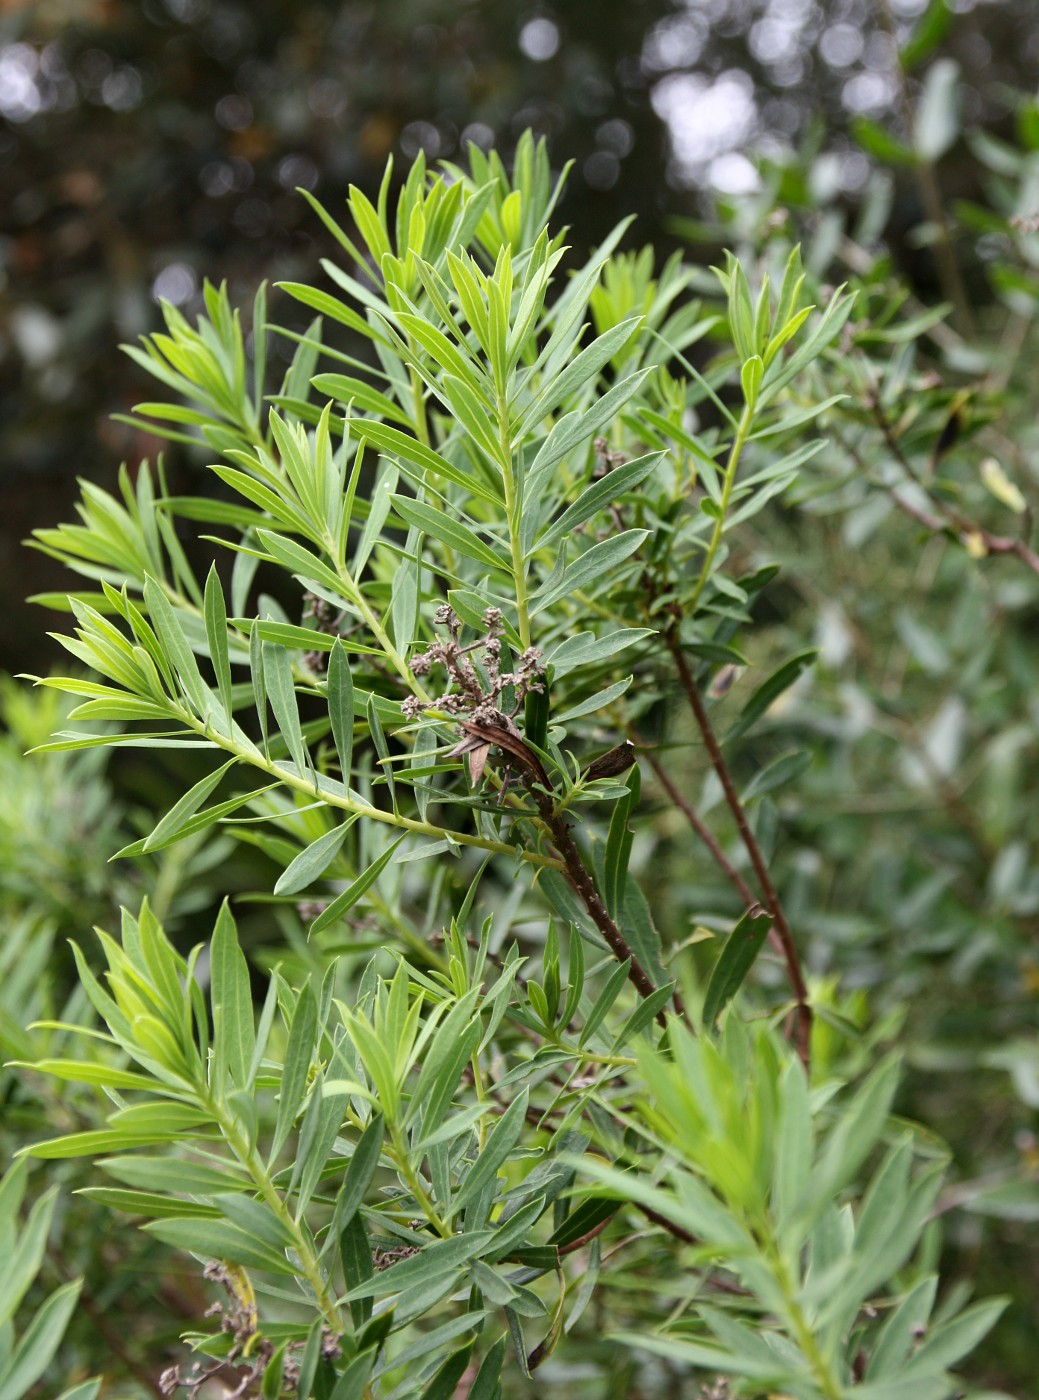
24	1262
389	439
176	819
595	565
770	690
430	1268
234	1035
277	675
295	1074
382	749
581	369
737	958
88	1390
312	861
360	1172
38	1343
780	771
170	633
598	701
928	33
440	526
220	1239
579	427
340	696
355	1252
899	1334
586	649
147	1203
500	1143
599	495
444	1384
952	1341
604	1001
487	1384
360	886
166	1174
216	633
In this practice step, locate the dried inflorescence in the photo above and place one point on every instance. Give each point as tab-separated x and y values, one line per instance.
250	1353
472	693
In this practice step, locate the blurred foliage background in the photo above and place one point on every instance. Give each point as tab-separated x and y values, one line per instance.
148	144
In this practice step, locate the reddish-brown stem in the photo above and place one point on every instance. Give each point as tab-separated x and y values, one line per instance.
705	834
575	1245
803	1017
499	730
584	886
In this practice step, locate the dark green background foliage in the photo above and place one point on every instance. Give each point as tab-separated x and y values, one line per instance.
875	696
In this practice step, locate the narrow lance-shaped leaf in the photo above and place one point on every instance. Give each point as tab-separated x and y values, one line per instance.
382	749
441	526
33	1352
170	633
738	956
216	633
180	814
277	671
233	1028
312	861
599	495
340	697
360	886
299	1054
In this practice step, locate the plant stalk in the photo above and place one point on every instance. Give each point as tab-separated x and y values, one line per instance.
803	1015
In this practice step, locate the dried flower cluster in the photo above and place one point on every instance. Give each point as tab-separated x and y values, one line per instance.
475	690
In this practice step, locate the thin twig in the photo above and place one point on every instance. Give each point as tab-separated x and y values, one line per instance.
708	838
499	731
948	514
803	1016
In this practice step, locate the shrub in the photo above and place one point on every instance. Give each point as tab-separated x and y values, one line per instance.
518	1096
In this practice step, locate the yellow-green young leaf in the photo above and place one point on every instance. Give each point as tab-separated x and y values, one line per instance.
233	1027
99	1140
750	378
1004	490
